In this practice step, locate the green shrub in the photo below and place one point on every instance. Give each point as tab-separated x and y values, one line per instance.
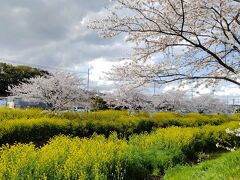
10	114
112	158
20	125
36	130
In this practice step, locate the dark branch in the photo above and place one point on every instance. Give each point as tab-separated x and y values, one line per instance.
183	16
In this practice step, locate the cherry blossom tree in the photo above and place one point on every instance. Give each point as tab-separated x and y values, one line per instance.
131	99
175	101
179	101
208	104
60	91
176	40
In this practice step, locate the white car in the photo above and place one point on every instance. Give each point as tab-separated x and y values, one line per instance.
80	109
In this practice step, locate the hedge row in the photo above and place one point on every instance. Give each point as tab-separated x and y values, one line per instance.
10	114
163	119
40	130
112	158
39	126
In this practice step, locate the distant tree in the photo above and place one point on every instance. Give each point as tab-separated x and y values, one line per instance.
178	101
14	75
208	104
131	99
97	103
174	101
60	91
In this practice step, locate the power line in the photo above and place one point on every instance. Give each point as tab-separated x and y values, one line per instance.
42	66
88	79
51	68
154	88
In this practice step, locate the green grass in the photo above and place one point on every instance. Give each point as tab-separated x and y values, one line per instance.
225	167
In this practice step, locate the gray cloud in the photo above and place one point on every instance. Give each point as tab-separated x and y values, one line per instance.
51	33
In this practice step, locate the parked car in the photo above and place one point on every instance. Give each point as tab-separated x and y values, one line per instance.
80	109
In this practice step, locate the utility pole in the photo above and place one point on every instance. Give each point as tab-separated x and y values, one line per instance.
154	88
88	79
88	86
192	93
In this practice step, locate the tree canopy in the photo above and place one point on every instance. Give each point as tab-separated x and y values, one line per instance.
14	75
98	103
173	101
176	40
60	91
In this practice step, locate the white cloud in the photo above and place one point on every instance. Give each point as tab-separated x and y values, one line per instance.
221	90
98	69
98	77
230	90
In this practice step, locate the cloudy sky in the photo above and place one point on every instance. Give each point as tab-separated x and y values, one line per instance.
52	34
